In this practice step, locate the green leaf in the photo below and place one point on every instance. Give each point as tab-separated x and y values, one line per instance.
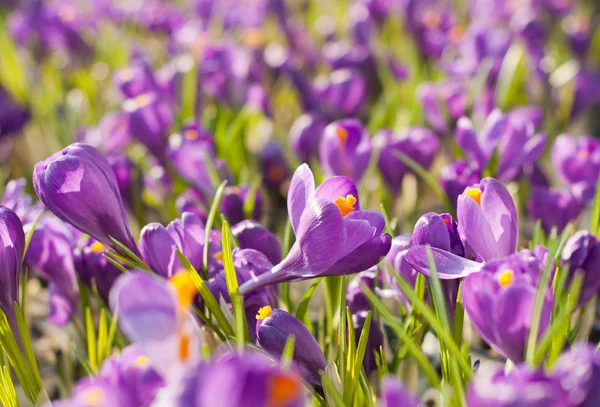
411	346
126	251
91	340
303	307
30	233
287	355
8	395
209	224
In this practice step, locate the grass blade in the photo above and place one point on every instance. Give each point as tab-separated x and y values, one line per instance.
214	208
303	307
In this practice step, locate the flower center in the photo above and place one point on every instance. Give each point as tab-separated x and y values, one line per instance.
264	312
475	194
184	347
282	389
276	173
345	205
342	135
505	278
142	361
143	100
97	247
218	256
185	288
190	134
94	396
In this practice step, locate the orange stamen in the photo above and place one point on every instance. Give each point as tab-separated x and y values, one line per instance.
345	205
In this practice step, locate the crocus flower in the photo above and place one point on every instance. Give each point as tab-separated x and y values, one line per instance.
252	235
17	200
110	135
342	94
51	254
582	253
333	236
273	165
578	372
393	394
135	79
128	177
523	387
579	33
158	244
233	202
97	392
374	340
93	267
418	143
154	313
457	176
396	258
149	119
131	371
345	149
429	22
12	245
577	160
274	326
78	185
251	379
500	302
192	201
305	133
554	207
356	300
450	94
13	116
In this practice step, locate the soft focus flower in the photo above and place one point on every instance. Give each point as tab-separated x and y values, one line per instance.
111	135
305	134
333	236
135	79
252	235
17	200
12	245
274	326
273	165
51	254
523	387
128	177
554	207
393	394
93	267
98	392
396	258
578	372
450	94
577	160
78	185
345	149
233	202
342	94
356	300
500	302
457	176
418	143
13	116
582	253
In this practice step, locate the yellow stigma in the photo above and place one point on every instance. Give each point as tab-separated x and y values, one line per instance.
185	287
94	396
345	205
190	134
218	256
276	173
282	389
474	193
505	278
342	135
254	37
142	361
143	100
264	312
184	347
97	247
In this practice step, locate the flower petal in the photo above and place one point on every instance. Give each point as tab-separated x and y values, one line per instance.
448	265
335	187
301	192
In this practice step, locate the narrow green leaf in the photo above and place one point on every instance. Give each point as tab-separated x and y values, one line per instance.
209	224
303	307
595	222
126	251
114	262
102	336
537	312
28	349
30	233
287	354
91	340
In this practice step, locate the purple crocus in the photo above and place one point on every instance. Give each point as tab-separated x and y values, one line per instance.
128	177
418	143
251	379
342	94
149	119
98	392
577	160
192	201
396	258
233	202
554	207
500	302
457	176
374	340
158	244
135	79
356	300
523	387
78	185
393	394
333	236
450	94
274	326
17	200
51	254
12	245
13	116
582	253
250	234
305	134
345	149
110	135
273	165
93	268
154	313
578	372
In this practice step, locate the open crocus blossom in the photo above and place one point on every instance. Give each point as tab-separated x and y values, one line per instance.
79	186
500	302
154	313
333	236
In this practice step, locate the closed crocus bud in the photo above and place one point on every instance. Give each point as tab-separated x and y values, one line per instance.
12	245
374	341
578	372
554	207
356	299
131	369
251	379
78	185
149	119
522	386
135	79
582	253
418	143
51	255
345	149
457	176
250	234
305	134
158	244
500	302
274	326
233	202
128	178
273	165
94	268
393	394
342	94
576	160
487	219
333	236
155	314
